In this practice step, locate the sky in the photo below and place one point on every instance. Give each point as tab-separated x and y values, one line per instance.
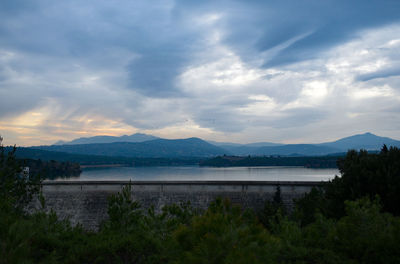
238	71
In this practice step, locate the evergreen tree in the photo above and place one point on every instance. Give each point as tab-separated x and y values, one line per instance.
16	187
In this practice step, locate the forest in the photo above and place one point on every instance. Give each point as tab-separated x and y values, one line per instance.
328	161
354	218
51	169
95	160
244	161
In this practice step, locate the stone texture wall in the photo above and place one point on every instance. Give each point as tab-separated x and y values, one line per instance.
86	202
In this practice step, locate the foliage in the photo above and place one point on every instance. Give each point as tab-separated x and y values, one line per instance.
134	235
365	174
16	188
224	234
362	174
309	206
273	211
367	235
237	161
52	169
93	160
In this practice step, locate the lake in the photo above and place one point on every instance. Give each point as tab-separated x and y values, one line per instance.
184	173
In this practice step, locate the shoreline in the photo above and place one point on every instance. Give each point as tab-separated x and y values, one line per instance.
103	166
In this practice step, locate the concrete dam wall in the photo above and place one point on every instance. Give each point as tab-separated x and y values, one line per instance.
86	202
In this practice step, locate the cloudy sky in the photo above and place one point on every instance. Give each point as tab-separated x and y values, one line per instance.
240	71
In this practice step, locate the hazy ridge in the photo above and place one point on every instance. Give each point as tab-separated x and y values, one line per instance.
158	148
195	147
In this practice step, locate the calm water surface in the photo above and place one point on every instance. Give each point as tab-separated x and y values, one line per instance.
206	173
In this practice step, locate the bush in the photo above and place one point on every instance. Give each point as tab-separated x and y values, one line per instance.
224	234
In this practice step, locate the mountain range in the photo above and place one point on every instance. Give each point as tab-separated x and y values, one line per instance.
138	137
148	146
156	148
366	141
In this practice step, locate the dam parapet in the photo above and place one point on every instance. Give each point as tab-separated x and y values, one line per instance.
86	202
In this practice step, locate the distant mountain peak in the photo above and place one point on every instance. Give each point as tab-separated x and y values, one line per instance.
194	146
60	142
137	137
365	134
158	148
366	141
136	134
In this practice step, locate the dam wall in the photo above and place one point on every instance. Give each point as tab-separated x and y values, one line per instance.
86	202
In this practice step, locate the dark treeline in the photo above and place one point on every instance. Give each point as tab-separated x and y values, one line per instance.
44	155
236	161
220	161
51	169
363	174
352	219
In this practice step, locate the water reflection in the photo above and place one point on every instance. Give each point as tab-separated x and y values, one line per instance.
206	173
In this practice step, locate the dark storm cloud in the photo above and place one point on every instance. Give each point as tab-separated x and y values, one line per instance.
164	39
299	30
220	119
162	43
299	117
319	25
154	75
